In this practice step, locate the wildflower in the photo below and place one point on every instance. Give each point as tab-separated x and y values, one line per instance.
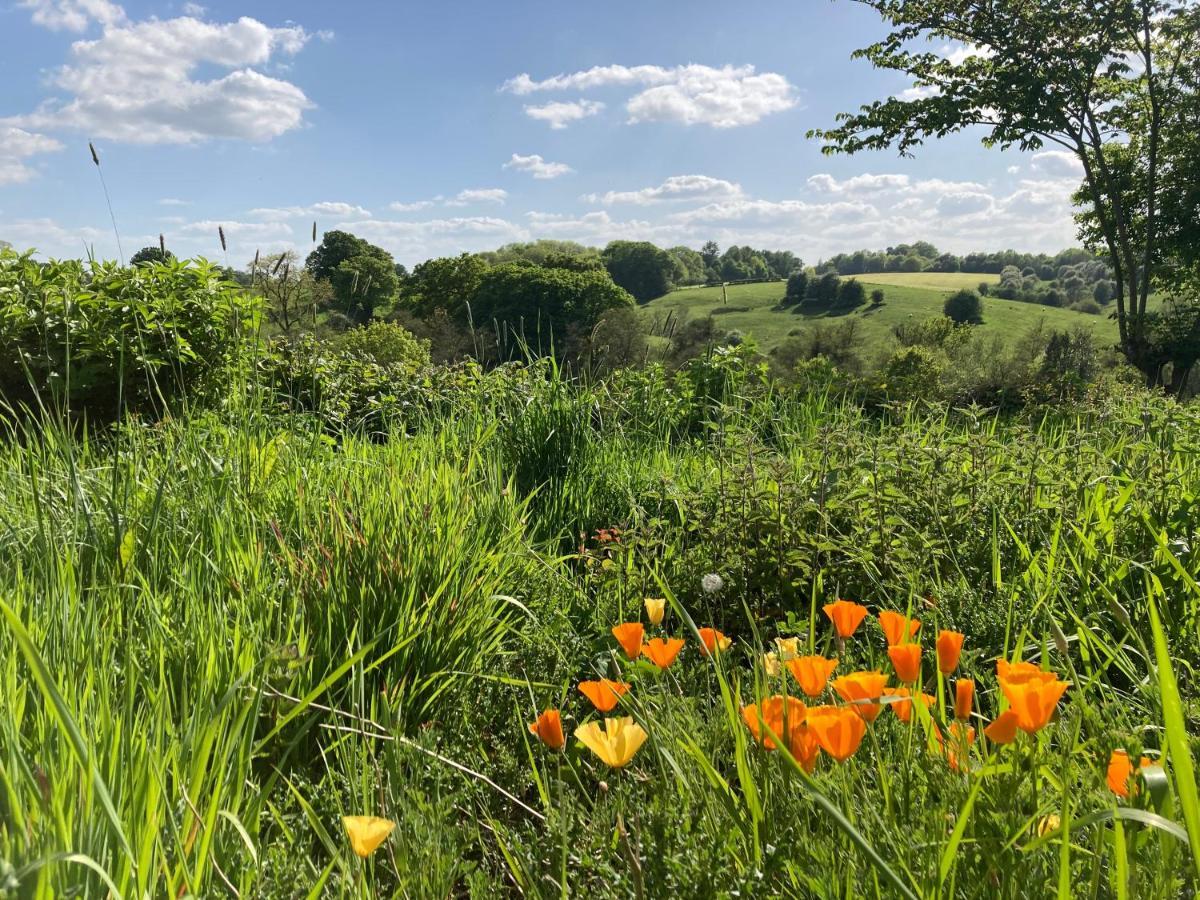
615	743
782	715
1120	771
629	636
961	738
548	728
712	641
812	672
663	652
906	660
903	708
964	698
862	690
897	628
846	616
804	747
949	647
1003	729
367	833
604	694
771	664
712	583
1048	825
837	729
787	648
1032	694
655	607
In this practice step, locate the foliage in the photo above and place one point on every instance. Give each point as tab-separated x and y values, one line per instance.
448	283
292	295
363	283
964	307
387	344
640	268
153	254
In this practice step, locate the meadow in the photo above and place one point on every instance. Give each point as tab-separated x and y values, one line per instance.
225	629
755	310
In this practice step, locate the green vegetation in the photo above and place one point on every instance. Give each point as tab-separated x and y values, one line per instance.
933	281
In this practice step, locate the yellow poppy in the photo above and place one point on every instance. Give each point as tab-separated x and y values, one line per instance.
615	743
788	648
655	608
771	664
367	833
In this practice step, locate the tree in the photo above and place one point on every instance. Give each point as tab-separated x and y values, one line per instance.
335	248
877	297
690	266
851	294
447	283
641	268
710	252
151	255
538	308
964	307
291	293
797	288
363	283
1110	81
825	288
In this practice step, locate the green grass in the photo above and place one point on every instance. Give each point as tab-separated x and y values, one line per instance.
754	310
221	633
935	281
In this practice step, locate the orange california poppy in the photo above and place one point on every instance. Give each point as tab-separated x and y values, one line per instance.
894	625
811	672
783	715
862	689
548	728
949	647
846	616
957	747
1003	729
1033	699
712	640
804	747
906	660
629	636
1020	672
1120	772
838	730
604	694
663	652
964	698
903	708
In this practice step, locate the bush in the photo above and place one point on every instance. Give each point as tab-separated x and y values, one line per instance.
91	339
913	373
1091	307
385	343
851	294
964	307
877	297
797	288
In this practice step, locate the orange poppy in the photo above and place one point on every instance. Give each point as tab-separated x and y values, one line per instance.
548	728
783	715
1003	729
1033	697
804	747
1020	672
712	641
906	660
949	647
604	694
663	652
1120	771
956	749
811	672
903	708
838	729
860	689
846	616
629	636
964	698
895	625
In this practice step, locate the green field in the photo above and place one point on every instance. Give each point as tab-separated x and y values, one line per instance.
754	310
936	281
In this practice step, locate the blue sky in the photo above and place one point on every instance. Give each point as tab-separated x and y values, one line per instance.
435	128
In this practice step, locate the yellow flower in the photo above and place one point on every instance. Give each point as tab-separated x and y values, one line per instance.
655	607
367	833
615	743
771	664
1047	824
789	648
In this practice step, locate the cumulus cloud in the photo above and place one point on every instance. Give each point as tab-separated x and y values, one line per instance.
560	115
964	203
16	146
137	82
479	195
826	184
327	208
73	15
1057	164
537	167
725	97
397	206
677	187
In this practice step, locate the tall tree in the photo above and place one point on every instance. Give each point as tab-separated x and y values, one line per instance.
641	268
1101	79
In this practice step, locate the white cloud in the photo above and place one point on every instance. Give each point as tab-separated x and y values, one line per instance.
537	167
136	83
173	201
243	231
867	183
324	208
397	206
964	203
920	92
16	146
677	187
413	242
479	195
1057	164
73	15
194	9
560	115
693	94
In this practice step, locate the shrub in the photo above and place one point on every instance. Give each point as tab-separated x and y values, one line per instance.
964	307
851	294
877	297
387	344
797	288
1091	307
913	373
91	339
